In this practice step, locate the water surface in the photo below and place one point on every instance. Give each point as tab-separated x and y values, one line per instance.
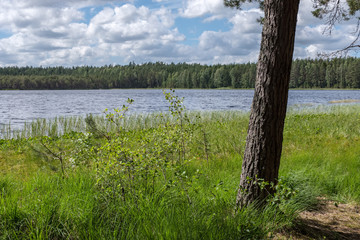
23	106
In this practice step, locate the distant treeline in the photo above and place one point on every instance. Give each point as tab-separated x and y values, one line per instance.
306	73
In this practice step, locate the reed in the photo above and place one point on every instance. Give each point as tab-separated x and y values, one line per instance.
320	158
59	126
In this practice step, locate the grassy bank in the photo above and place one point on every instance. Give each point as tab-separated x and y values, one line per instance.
169	177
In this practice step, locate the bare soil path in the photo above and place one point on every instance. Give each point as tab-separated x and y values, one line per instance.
331	220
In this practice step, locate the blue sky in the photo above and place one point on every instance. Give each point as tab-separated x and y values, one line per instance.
99	32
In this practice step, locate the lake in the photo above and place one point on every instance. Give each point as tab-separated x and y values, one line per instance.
23	106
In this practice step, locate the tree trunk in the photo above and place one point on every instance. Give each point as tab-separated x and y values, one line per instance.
265	133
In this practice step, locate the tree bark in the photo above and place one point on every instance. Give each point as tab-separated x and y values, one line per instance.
265	133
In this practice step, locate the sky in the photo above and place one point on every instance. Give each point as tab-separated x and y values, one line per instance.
102	32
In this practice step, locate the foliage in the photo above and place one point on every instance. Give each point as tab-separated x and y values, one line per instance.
132	164
69	151
306	73
320	158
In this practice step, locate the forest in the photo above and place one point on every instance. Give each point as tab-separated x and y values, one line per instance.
306	73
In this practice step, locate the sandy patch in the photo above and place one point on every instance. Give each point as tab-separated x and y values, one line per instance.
331	220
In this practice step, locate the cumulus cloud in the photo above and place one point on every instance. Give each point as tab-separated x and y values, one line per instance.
314	41
98	32
128	23
212	9
240	44
130	32
313	36
57	4
16	15
57	36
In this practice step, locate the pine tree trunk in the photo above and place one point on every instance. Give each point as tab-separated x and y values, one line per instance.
265	132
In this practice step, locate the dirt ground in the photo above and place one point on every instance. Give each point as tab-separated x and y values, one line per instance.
331	220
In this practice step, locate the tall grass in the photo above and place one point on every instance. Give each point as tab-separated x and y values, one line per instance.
44	127
320	158
59	126
323	146
72	208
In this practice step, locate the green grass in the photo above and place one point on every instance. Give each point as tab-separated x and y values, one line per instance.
324	147
321	157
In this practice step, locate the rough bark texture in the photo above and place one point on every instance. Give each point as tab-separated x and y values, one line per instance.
265	133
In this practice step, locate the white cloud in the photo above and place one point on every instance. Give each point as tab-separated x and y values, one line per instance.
313	35
236	45
131	32
47	35
315	40
49	32
200	8
57	4
305	16
128	23
35	18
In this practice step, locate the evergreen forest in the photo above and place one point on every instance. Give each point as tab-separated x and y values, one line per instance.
306	73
